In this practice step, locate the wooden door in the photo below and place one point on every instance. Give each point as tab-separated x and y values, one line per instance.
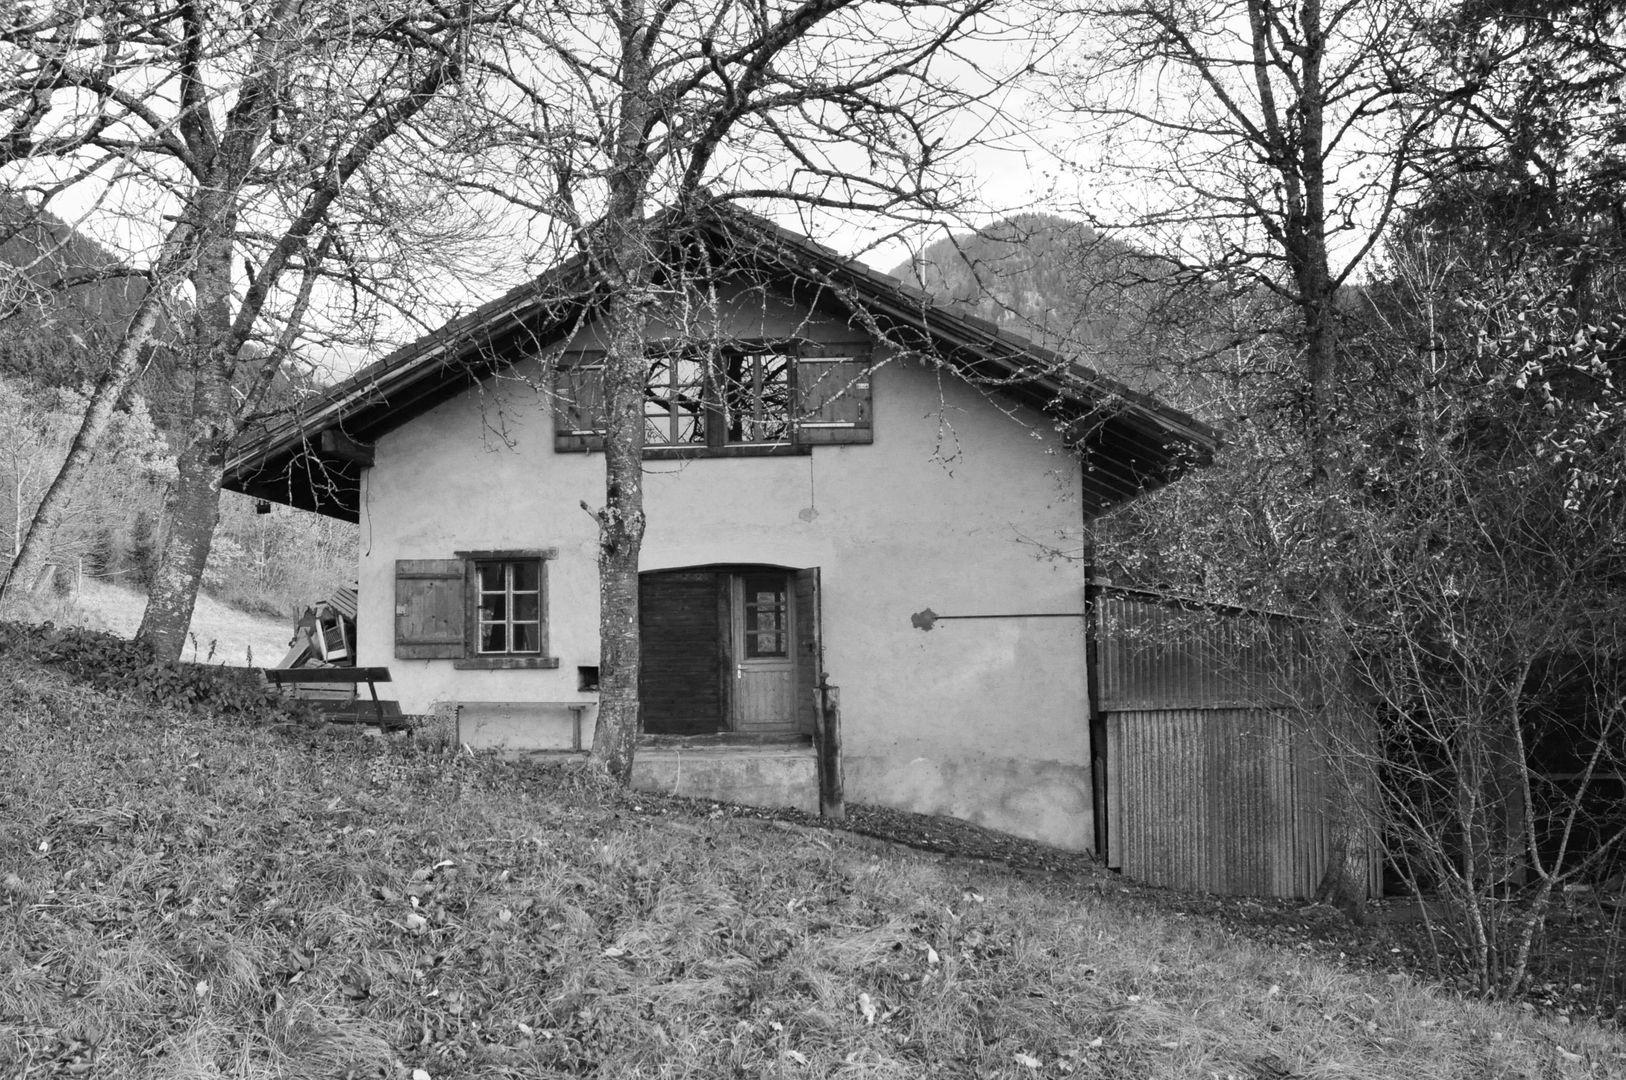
680	623
764	625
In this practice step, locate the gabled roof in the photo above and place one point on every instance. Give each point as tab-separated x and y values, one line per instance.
1131	442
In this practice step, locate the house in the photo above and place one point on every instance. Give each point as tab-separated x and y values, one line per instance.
845	485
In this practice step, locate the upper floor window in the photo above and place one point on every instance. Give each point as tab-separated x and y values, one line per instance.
732	397
768	397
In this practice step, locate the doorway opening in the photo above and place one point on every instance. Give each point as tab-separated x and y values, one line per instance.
729	649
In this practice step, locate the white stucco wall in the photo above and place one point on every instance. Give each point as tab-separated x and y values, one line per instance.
950	508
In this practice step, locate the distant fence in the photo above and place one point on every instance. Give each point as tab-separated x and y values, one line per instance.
1214	777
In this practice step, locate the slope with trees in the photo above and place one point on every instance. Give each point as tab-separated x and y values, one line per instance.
234	150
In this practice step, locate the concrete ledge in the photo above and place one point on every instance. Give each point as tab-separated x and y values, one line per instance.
772	775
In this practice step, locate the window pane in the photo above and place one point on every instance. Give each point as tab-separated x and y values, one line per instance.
494	606
526	607
674	407
491	576
527	638
525	576
756	396
767	617
493	637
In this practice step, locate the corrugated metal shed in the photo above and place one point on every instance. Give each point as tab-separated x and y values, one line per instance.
1216	779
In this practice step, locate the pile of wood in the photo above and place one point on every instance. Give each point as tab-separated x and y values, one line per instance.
320	667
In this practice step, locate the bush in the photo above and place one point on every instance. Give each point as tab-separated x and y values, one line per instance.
112	663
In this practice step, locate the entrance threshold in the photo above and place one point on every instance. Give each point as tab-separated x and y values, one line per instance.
724	739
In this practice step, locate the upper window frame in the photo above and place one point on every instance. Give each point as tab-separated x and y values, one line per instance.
826	387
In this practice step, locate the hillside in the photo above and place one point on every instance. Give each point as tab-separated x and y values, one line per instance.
64	306
1063	285
191	893
60	322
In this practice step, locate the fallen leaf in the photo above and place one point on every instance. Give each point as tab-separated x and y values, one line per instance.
1029	1060
931	955
866	1006
797	1056
415	922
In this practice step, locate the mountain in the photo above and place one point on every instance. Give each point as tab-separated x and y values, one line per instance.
1059	283
60	312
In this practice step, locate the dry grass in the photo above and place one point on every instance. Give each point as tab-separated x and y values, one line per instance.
219	634
182	900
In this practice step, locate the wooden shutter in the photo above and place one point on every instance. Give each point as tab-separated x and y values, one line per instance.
833	400
578	407
430	605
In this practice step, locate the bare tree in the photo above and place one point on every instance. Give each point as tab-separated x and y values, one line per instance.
607	113
223	144
1261	150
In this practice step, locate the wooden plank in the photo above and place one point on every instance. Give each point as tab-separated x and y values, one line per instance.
809	649
832	785
352	675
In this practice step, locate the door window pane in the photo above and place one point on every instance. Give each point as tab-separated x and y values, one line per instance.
767	611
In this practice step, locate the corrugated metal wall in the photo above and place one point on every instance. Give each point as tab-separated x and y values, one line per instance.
1214	782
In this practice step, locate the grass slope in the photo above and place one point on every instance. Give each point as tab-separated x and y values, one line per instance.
219	633
182	897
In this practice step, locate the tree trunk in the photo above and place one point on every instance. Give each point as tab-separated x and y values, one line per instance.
620	251
621	535
193	511
193	506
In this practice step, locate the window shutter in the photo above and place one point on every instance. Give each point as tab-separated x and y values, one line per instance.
578	408
429	609
833	399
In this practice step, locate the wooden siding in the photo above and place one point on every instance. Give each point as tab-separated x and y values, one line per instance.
763	702
680	685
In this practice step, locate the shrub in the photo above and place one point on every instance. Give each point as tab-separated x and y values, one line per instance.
112	663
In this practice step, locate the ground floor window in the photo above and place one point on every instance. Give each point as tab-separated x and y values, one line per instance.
509	606
482	609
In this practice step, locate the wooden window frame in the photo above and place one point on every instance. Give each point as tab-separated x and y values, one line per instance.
722	399
849	363
475	660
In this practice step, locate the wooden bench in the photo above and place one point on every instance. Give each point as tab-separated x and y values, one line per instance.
351	710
